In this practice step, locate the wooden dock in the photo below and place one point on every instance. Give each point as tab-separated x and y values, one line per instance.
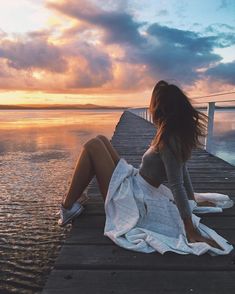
91	263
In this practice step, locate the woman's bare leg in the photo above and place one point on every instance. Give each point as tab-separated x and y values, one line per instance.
83	174
111	149
94	159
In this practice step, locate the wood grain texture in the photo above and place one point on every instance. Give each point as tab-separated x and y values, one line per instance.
140	282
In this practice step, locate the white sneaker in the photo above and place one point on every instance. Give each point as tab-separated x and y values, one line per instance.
66	215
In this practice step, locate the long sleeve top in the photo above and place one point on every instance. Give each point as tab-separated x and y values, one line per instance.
164	166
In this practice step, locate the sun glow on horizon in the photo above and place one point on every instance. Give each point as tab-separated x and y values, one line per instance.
40	98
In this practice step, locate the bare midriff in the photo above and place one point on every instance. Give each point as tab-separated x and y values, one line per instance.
150	181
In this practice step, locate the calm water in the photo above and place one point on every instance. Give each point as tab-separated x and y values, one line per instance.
224	135
38	151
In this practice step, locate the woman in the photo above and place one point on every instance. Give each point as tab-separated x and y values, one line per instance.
142	214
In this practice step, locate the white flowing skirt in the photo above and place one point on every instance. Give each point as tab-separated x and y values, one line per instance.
144	218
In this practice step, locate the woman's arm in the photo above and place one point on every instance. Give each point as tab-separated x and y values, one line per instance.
189	188
188	183
175	176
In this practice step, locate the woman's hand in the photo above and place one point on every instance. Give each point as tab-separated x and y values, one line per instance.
193	235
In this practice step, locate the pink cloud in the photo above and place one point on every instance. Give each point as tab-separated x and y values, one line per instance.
34	53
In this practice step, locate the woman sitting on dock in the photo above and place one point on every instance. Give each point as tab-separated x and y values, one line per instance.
142	213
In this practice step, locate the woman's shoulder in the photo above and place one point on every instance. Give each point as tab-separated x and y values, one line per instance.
168	143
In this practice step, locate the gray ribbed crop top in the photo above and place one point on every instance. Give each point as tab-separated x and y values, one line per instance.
163	165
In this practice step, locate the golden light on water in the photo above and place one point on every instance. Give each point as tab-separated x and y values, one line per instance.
49	129
20	120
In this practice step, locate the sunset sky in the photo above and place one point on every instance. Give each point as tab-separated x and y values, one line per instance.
112	52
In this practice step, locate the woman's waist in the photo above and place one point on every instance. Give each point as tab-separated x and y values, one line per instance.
151	181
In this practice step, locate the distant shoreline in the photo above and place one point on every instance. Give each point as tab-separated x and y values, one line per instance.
58	107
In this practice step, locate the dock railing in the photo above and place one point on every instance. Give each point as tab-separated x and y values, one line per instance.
207	101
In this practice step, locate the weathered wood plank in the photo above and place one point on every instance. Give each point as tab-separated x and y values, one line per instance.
215	222
95	236
98	209
111	256
140	282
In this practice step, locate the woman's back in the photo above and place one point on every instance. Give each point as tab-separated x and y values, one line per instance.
152	166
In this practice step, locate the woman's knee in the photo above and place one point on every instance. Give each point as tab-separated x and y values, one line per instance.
102	138
92	144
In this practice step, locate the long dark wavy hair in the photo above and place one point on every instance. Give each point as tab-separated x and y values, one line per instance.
179	125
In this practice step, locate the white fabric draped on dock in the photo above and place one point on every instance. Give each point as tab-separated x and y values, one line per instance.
140	221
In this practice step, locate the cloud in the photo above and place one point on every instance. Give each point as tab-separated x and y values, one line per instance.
119	27
224	72
174	54
216	28
93	69
162	12
43	34
164	51
2	34
184	38
34	63
3	71
223	4
31	54
108	50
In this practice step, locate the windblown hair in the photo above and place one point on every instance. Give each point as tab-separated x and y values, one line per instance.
179	125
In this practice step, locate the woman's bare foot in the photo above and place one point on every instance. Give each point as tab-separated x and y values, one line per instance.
195	236
206	203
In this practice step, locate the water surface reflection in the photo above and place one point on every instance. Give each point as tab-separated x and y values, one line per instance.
38	151
224	135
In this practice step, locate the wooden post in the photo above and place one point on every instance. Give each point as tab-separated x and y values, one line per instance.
148	114
210	113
